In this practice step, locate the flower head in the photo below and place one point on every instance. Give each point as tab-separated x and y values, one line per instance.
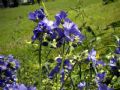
37	15
8	67
117	51
103	87
92	55
81	85
100	63
71	31
44	26
67	64
60	17
113	62
101	76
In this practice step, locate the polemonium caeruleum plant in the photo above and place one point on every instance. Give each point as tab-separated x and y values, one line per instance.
73	70
58	32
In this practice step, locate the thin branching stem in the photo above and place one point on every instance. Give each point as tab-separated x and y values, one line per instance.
40	62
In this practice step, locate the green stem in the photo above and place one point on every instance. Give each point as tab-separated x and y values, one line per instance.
80	70
63	57
90	70
57	82
40	64
44	8
72	82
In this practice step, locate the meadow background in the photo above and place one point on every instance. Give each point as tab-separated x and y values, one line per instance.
16	30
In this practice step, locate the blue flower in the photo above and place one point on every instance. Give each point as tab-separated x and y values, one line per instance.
54	71
100	62
32	88
101	76
117	51
58	34
103	87
113	62
37	15
44	26
22	87
67	64
2	83
60	17
92	55
81	85
59	60
71	31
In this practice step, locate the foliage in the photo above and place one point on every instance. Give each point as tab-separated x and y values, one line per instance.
63	33
96	23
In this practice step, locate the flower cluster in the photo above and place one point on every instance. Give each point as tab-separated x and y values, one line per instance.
101	74
8	68
81	85
63	30
67	66
60	30
37	15
8	77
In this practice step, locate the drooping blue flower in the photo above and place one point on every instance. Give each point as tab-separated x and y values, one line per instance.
22	87
54	71
67	64
117	50
101	76
32	88
113	62
92	55
2	82
44	26
71	31
58	34
81	85
103	87
100	62
59	60
60	17
37	15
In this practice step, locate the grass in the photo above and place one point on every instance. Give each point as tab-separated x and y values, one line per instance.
16	29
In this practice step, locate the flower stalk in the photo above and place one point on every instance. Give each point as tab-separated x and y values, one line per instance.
40	62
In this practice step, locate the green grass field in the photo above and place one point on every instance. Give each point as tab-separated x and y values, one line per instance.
16	29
